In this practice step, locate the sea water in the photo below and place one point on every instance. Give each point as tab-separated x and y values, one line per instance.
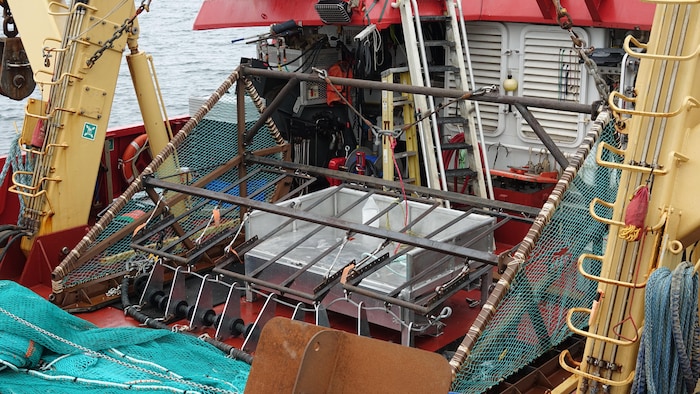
188	64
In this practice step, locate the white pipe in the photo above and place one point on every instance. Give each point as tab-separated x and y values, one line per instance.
431	101
480	126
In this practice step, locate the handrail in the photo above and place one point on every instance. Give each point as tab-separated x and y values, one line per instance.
587	334
620	166
578	372
688	102
646	55
591	211
602	279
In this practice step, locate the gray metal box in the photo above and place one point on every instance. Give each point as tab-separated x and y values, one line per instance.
311	92
385	279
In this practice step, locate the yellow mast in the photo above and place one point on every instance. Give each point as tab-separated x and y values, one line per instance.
661	152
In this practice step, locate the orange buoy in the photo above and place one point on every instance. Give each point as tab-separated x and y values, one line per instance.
131	155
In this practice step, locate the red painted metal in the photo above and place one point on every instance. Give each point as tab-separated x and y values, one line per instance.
9	203
335	164
46	254
624	14
546	7
593	6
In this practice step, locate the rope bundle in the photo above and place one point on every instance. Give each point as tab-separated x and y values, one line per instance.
669	353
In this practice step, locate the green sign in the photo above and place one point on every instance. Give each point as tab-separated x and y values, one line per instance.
89	131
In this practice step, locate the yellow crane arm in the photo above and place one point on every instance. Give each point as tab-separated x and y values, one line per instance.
75	51
661	163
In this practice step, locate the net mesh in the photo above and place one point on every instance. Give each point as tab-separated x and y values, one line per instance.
531	318
210	146
49	350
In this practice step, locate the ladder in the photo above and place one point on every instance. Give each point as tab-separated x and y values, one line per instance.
417	66
458	35
390	102
431	142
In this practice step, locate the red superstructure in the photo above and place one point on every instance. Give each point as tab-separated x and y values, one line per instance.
625	14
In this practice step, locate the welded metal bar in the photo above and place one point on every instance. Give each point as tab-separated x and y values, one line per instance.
329	221
311	233
169	256
307	182
420	217
269	183
306	267
542	134
289	221
567	106
435	299
366	272
378	182
199	251
420	309
272	107
389	300
173	220
414	279
263	283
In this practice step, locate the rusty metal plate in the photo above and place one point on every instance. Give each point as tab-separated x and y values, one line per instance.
296	357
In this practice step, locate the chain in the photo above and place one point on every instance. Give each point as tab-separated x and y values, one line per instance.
126	26
566	23
8	22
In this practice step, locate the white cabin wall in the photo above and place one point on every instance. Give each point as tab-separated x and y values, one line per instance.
533	53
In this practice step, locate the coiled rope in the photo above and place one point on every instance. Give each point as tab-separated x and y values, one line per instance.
669	353
16	162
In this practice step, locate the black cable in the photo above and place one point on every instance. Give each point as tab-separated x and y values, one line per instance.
312	48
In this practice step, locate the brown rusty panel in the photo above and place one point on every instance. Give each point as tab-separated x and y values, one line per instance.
279	355
318	366
296	357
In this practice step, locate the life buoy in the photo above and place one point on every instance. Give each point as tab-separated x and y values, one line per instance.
131	156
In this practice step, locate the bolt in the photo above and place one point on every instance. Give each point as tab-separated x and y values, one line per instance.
18	81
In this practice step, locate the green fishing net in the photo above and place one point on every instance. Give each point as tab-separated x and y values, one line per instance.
44	349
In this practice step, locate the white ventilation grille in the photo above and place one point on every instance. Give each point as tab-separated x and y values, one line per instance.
485	42
551	69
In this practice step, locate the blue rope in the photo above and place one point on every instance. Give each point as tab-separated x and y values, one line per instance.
669	353
16	162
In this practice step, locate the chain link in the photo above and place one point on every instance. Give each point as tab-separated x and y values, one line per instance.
566	23
125	27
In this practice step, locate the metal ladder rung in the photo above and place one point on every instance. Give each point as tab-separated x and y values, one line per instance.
620	166
439	43
402	101
452	120
457	146
403	155
452	172
600	279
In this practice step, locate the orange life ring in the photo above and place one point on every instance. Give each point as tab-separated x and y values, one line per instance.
131	156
